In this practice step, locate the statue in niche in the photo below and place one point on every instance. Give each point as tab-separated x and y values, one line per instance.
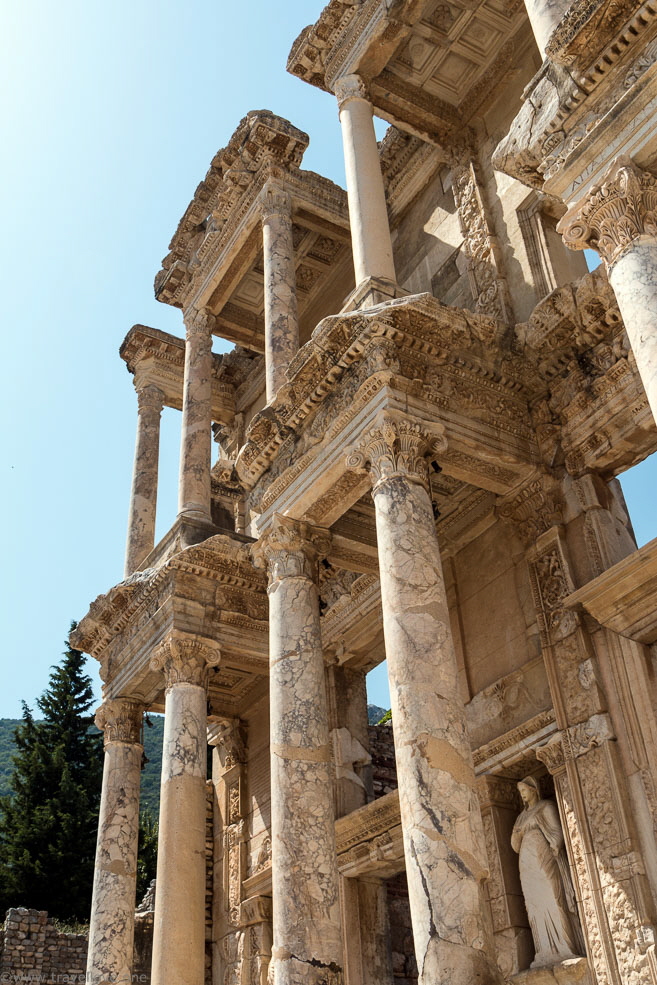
545	879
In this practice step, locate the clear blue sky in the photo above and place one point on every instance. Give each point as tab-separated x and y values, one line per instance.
111	114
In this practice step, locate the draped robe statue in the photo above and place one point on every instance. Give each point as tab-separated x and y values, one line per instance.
545	879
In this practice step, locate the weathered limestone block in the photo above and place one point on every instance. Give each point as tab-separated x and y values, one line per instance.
307	945
443	839
111	931
179	926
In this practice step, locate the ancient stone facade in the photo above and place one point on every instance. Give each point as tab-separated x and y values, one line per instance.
419	431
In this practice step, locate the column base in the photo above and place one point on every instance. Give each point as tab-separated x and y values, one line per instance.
372	291
575	971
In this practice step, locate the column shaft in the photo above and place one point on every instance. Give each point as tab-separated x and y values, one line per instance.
544	16
281	319
633	277
111	931
307	945
143	496
445	856
179	924
368	214
194	497
617	218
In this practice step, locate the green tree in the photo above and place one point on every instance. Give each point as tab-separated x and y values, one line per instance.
48	823
147	852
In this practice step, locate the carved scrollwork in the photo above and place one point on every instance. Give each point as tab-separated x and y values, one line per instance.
615	213
185	659
291	549
275	200
396	448
120	720
533	510
150	401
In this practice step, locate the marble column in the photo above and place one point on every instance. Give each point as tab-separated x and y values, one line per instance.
281	319
441	822
368	213
194	496
179	923
307	947
111	931
544	16
618	218
143	496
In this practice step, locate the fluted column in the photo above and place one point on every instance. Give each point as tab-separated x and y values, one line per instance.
111	931
143	496
544	16
445	857
618	218
281	319
307	947
194	496
179	924
368	214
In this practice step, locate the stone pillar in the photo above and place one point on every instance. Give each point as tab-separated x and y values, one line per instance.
618	218
194	496
143	496
368	958
281	319
443	842
544	16
111	931
307	944
179	925
368	214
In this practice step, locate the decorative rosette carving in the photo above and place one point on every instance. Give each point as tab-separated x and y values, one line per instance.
396	448
614	213
185	659
349	87
120	719
291	549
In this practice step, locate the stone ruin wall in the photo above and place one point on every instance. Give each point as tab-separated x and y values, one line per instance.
34	950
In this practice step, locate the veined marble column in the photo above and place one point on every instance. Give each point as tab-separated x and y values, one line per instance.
179	926
194	496
368	213
307	947
143	496
618	218
443	839
111	932
544	16
281	319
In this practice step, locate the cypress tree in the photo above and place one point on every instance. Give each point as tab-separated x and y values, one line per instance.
48	823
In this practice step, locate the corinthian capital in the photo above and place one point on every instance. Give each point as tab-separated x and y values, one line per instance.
150	400
614	213
291	549
274	199
185	659
349	87
396	448
199	321
120	719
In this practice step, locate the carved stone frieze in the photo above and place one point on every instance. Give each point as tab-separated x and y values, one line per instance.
552	584
614	213
534	509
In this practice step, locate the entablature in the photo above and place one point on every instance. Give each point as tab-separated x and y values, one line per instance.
215	259
428	66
